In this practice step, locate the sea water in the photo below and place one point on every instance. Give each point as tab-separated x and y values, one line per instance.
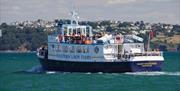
23	72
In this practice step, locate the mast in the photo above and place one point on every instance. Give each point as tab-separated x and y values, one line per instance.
74	16
148	46
150	36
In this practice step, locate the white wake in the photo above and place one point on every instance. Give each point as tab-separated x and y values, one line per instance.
154	73
51	72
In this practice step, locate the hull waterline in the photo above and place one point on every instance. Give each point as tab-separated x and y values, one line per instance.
106	67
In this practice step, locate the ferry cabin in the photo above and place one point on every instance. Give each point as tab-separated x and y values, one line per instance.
77	43
76	49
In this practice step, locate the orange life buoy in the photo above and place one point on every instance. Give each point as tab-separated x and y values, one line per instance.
88	41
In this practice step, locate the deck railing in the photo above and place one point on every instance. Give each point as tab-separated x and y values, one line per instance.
129	55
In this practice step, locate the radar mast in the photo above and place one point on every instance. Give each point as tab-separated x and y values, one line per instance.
74	16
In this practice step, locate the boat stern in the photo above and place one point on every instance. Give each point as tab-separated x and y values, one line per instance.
146	63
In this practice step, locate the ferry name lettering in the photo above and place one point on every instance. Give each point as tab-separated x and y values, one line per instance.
149	64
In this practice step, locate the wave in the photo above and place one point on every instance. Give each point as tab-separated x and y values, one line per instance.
88	73
154	73
51	72
36	69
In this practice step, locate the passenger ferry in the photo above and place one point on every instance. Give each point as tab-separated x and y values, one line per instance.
76	49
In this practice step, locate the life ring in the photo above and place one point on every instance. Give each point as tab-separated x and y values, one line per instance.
118	39
96	49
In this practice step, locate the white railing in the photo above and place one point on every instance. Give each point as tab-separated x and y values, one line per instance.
129	55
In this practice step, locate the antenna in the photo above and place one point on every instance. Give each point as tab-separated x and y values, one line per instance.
74	16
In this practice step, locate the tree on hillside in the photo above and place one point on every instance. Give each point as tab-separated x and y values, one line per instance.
14	37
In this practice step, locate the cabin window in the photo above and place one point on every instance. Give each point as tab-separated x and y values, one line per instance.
65	30
65	49
78	31
74	22
59	48
84	31
71	49
78	49
84	49
52	46
74	31
87	49
70	31
56	47
87	31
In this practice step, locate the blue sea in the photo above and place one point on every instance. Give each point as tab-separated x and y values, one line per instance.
21	72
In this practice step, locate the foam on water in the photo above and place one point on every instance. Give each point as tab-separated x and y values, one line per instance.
39	69
100	72
154	73
51	72
88	73
35	69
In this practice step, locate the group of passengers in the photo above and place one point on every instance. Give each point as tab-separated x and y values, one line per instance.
80	39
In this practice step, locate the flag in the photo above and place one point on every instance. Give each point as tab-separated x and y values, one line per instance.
151	34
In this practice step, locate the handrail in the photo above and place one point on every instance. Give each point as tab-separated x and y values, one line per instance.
136	54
